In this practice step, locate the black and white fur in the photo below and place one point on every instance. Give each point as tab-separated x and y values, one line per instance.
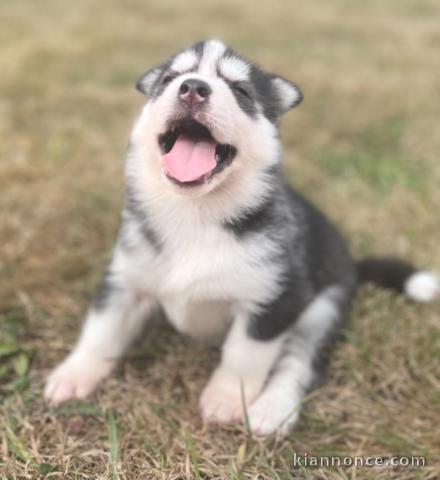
239	256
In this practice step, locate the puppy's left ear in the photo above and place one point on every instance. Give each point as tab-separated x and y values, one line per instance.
287	94
146	83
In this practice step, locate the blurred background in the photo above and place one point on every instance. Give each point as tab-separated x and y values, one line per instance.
364	146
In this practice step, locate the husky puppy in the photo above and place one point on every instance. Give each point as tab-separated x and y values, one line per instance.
214	236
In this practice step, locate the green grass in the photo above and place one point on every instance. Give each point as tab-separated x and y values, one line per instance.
364	146
375	157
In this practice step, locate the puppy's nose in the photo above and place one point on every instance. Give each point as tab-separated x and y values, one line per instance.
194	91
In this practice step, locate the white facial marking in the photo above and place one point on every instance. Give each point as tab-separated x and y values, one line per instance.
213	50
185	61
234	69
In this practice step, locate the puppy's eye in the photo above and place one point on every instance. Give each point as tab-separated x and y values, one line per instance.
242	90
168	78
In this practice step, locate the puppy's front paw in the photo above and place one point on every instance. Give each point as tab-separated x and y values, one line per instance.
273	412
221	400
76	377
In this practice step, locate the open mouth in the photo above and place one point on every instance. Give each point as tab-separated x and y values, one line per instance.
191	154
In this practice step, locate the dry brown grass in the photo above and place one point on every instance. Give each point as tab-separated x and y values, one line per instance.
364	146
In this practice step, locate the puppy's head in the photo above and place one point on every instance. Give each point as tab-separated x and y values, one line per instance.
211	113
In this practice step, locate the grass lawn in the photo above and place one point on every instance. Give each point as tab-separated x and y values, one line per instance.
364	145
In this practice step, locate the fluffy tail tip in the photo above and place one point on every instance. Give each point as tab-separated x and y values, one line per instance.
422	286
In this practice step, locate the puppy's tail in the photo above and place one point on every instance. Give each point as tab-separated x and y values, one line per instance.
400	276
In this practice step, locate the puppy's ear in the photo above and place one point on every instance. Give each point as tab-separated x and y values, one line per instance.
287	94
146	83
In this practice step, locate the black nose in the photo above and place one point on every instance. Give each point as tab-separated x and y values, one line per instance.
194	91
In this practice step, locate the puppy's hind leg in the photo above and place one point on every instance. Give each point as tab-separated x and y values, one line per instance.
113	321
250	351
277	408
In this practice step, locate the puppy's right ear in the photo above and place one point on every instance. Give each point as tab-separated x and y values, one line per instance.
146	83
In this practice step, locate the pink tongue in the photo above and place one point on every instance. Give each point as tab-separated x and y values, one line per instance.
189	160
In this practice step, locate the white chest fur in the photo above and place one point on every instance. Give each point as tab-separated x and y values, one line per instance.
200	272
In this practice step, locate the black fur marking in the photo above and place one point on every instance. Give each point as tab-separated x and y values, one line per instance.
244	95
262	90
139	214
265	93
199	48
277	316
385	272
244	92
315	257
251	221
262	216
327	258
